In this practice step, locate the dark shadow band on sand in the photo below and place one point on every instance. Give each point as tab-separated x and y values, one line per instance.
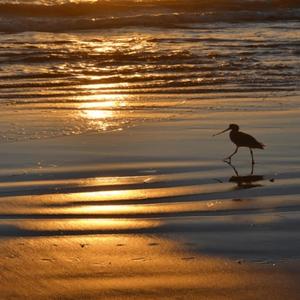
222	240
175	226
225	212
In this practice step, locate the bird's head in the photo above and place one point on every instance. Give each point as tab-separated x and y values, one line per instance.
233	127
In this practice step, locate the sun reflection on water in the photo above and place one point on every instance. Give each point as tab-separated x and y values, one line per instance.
103	111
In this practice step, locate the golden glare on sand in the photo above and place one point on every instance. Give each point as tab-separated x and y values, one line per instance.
131	267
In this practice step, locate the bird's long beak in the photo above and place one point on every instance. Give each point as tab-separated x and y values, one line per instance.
221	131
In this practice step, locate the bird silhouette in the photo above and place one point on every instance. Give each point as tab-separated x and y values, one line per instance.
241	139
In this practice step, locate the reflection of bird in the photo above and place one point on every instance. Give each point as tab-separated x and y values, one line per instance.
241	139
245	182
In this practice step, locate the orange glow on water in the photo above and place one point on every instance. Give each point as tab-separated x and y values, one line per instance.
102	110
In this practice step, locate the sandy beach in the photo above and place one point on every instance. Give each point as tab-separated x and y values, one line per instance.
135	267
112	185
80	220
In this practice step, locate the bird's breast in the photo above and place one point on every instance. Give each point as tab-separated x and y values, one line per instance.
237	138
233	137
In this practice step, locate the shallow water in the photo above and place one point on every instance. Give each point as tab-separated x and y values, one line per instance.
111	80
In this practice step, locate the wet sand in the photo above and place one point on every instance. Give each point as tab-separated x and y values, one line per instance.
132	214
134	267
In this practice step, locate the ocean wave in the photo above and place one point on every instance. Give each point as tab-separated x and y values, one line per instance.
9	23
125	56
113	7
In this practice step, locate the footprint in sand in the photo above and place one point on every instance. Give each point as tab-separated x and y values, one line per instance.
153	244
139	258
188	258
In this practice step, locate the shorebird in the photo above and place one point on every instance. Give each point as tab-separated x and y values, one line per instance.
241	139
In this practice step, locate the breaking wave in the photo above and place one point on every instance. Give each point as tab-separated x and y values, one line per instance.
164	14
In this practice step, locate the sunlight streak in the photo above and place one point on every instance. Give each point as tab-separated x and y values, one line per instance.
103	111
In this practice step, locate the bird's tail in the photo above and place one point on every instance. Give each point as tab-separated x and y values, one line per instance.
262	146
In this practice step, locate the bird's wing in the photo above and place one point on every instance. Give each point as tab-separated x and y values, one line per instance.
248	140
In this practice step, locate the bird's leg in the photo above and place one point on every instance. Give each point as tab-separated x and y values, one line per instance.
253	162
252	169
229	157
233	167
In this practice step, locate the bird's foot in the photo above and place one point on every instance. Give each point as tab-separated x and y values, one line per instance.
227	160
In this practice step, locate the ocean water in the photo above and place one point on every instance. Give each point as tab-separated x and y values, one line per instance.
92	71
110	65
